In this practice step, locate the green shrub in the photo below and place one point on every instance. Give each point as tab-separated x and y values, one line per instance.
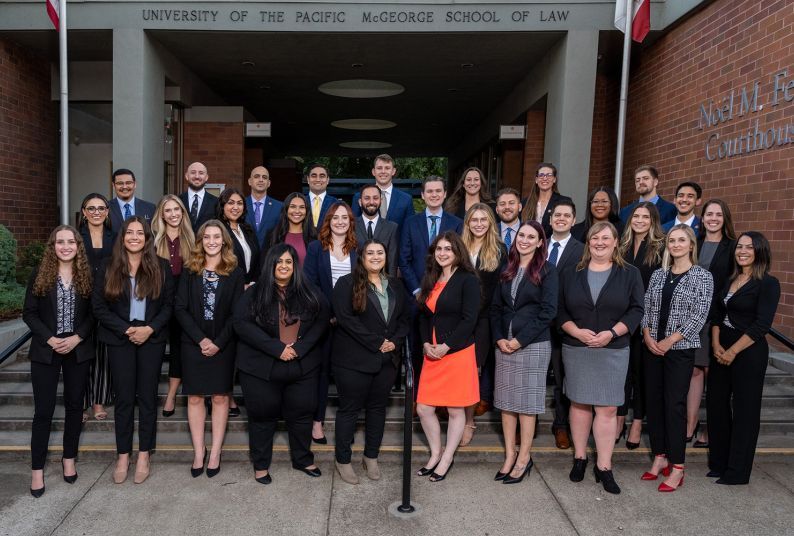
29	257
12	294
11	299
8	256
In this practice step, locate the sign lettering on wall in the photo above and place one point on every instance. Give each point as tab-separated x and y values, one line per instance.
743	102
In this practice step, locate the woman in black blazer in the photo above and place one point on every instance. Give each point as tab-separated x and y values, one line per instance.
716	240
280	323
641	246
209	288
231	211
489	256
98	238
372	322
330	257
543	197
601	304
602	206
295	226
133	301
57	310
449	304
472	189
742	315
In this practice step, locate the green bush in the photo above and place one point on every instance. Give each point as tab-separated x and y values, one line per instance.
12	294
11	299
30	257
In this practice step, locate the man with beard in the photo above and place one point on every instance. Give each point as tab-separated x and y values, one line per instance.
508	208
687	198
200	204
371	225
646	179
396	205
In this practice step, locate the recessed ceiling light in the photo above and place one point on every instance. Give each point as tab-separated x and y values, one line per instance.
357	65
365	145
466	65
247	63
452	90
264	86
361	89
363	124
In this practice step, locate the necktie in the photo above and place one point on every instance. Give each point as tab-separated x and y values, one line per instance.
194	209
316	210
555	250
508	240
369	230
258	213
433	228
127	211
384	204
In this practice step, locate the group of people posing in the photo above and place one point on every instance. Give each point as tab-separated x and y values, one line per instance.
631	309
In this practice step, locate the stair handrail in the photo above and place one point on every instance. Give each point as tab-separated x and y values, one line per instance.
12	348
778	336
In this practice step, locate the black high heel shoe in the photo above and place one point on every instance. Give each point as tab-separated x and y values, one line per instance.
435	477
311	472
36	493
169	413
578	469
697	428
525	472
607	479
212	472
196	472
68	479
621	434
500	475
427	471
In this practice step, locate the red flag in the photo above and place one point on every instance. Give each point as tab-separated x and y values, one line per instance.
641	18
53	11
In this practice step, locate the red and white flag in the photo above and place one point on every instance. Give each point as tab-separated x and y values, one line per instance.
641	18
54	12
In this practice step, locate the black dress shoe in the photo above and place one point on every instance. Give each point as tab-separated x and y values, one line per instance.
427	471
525	472
322	440
500	475
196	472
71	479
212	472
37	492
689	438
167	413
607	479
435	477
578	469
234	412
725	482
714	474
264	479
311	472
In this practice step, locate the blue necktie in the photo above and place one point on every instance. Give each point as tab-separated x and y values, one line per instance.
258	213
555	250
433	228
127	211
508	240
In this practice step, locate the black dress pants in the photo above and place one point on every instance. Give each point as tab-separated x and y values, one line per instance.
288	392
359	390
484	348
635	380
135	371
733	401
174	349
324	379
45	386
561	403
666	387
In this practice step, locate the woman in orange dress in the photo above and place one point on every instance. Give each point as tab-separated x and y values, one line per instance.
449	301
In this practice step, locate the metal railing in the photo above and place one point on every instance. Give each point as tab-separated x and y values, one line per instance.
408	428
14	346
782	339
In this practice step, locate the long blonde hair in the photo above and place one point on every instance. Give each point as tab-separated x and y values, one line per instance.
490	253
159	227
667	260
654	240
197	258
596	228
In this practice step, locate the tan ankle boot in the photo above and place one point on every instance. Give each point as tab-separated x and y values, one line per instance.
347	473
371	465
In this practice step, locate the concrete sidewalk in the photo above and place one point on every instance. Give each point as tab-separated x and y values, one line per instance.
468	502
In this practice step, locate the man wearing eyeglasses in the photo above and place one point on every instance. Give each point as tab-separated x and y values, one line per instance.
125	205
317	177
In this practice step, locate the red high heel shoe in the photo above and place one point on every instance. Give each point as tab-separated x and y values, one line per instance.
647	475
664	488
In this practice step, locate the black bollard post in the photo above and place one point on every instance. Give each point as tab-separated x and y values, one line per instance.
408	421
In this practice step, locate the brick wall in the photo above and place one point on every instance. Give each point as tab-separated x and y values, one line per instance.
728	45
28	145
533	147
605	133
220	147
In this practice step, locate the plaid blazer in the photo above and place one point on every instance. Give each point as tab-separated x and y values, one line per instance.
689	306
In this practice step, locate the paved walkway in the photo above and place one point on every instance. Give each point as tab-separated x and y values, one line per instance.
468	502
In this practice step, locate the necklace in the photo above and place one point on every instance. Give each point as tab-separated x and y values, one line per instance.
674	278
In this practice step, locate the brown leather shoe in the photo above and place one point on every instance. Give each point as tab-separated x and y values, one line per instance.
561	438
482	408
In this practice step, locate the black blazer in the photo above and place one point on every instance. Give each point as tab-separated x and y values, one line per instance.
571	255
189	308
252	274
638	261
40	313
114	316
721	266
387	232
258	348
621	300
456	313
461	211
95	258
579	231
752	309
358	336
489	280
532	311
208	210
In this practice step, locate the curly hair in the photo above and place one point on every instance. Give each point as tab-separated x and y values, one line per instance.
47	275
325	236
160	228
197	259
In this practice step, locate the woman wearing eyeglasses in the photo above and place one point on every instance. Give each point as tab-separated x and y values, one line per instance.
602	206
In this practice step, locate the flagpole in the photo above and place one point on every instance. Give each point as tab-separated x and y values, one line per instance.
64	76
624	90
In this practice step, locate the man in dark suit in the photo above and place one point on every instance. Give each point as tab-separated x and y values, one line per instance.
200	204
317	177
396	205
646	179
688	196
508	208
371	225
125	204
262	211
565	252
